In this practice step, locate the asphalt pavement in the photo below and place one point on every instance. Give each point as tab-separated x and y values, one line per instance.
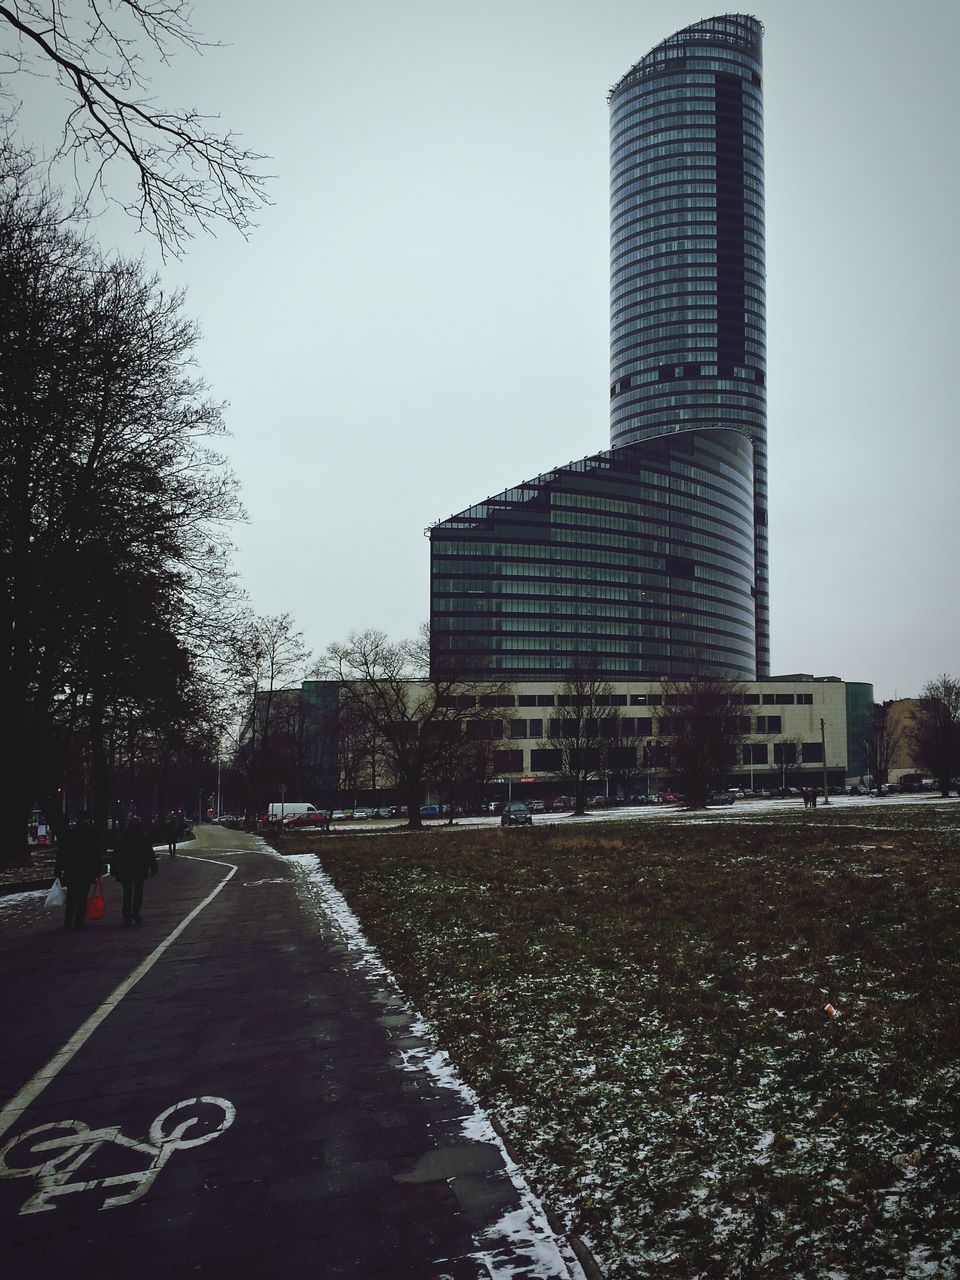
229	1089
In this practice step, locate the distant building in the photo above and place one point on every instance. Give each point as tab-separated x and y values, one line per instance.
786	723
649	559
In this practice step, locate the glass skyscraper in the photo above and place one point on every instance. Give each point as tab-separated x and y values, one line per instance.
648	559
687	277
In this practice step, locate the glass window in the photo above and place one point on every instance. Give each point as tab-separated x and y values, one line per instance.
508	761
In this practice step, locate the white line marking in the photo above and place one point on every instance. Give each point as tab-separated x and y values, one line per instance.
15	1108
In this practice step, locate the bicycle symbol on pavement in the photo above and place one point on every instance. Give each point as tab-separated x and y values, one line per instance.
65	1146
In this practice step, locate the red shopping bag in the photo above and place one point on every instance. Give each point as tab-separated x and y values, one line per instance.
96	907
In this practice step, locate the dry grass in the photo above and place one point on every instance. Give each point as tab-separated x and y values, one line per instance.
643	1006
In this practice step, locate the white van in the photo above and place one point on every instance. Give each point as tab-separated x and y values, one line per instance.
289	809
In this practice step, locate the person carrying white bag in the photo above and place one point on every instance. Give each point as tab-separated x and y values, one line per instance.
56	897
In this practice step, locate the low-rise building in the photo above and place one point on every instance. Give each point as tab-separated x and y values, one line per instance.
795	729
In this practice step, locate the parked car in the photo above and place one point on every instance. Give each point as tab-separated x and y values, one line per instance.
515	814
721	797
429	811
535	806
316	819
364	813
669	797
562	803
339	814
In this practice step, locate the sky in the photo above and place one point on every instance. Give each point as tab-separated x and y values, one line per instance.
421	317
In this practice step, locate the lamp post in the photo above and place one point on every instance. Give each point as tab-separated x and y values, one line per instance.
823	748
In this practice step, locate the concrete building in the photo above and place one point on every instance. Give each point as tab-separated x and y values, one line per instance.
787	722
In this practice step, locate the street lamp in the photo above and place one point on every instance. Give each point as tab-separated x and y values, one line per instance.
823	748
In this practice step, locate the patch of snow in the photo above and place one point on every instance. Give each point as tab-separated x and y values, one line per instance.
527	1238
10	899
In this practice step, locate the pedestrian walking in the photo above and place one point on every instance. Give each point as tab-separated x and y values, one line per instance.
77	866
813	797
172	830
133	861
806	797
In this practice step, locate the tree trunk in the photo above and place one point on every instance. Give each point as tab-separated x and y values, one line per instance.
413	802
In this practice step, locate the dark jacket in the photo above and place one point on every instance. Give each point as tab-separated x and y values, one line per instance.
133	857
78	857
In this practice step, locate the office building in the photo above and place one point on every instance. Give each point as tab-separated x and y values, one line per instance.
648	559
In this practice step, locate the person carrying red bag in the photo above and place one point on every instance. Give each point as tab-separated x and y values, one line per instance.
78	865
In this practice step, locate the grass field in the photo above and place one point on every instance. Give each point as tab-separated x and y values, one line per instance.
643	1007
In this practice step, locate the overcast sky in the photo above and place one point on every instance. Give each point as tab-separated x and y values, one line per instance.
421	318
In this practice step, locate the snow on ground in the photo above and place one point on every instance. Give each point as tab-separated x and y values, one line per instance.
760	1115
519	1240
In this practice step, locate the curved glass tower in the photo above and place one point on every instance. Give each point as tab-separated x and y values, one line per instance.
687	329
648	560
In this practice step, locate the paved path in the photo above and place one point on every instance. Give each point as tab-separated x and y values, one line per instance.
222	1090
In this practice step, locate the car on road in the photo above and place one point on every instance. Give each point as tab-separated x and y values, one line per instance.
515	814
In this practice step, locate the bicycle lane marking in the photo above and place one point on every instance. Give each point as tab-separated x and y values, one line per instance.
71	1143
16	1107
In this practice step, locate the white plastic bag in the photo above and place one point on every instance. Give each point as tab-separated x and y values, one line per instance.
56	897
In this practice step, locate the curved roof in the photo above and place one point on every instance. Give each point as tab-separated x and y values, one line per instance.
735	30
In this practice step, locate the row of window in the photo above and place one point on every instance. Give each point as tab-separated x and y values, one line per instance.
699	166
751	176
666	192
768	724
637	159
650	284
640	725
692	121
693	92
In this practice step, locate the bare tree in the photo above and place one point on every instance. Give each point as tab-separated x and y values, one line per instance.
417	716
268	658
881	742
187	173
623	751
576	733
935	730
703	732
465	767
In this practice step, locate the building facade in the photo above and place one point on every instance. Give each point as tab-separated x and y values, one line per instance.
687	276
794	728
647	560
